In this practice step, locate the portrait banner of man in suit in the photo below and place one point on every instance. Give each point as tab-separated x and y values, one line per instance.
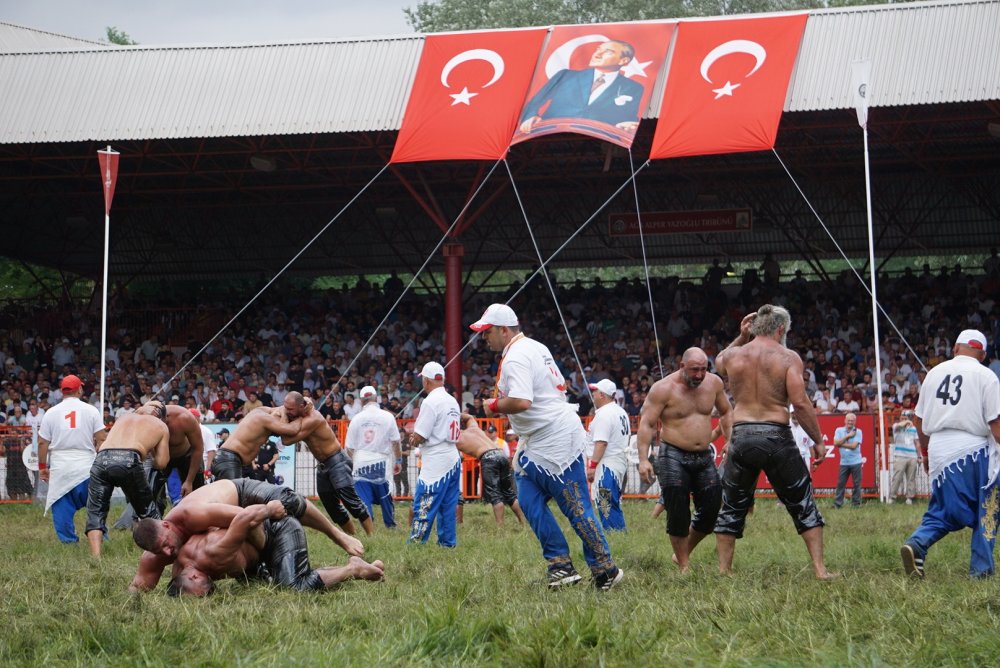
595	80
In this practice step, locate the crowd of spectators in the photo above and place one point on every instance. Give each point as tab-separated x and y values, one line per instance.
312	342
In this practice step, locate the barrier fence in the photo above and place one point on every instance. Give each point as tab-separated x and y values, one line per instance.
297	466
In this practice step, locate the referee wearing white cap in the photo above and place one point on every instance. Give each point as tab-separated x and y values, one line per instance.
609	433
958	422
531	392
436	432
373	443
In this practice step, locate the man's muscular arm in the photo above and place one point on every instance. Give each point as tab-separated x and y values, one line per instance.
796	388
278	426
193	432
239	529
725	410
649	420
192	519
744	338
307	427
150	569
161	452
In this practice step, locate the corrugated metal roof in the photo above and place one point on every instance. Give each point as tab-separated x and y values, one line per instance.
922	53
176	92
18	39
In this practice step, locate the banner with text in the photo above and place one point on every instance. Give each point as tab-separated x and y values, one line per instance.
681	222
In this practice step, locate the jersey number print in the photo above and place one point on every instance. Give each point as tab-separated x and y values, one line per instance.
950	390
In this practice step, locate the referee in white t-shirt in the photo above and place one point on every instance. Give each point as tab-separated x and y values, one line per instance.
958	423
610	431
531	392
68	439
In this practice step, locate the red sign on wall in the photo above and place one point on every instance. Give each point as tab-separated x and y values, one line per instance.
680	222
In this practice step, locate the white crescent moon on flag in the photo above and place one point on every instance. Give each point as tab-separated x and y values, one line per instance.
559	60
733	46
491	57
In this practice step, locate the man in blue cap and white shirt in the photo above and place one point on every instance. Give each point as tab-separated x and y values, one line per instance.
958	423
531	392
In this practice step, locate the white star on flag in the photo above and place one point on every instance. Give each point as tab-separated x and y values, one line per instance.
636	69
462	98
725	90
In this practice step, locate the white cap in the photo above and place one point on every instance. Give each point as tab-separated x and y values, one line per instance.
368	392
433	371
972	338
607	386
500	315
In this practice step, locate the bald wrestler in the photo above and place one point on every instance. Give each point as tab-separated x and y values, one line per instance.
119	464
261	539
241	448
334	469
216	505
682	405
498	480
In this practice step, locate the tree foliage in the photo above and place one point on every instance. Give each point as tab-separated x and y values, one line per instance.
116	36
442	15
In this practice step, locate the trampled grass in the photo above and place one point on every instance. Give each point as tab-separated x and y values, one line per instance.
484	603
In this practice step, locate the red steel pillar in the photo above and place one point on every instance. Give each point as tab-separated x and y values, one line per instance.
453	325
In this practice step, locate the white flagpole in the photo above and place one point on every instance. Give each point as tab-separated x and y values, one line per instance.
884	446
104	285
860	74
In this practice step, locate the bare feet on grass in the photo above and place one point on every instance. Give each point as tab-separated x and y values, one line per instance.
826	576
362	570
685	569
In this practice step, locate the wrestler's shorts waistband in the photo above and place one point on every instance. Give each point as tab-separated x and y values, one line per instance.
120	453
329	461
764	427
684	450
493	453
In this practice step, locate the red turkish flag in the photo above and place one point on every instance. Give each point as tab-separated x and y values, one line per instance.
726	86
566	96
108	160
467	94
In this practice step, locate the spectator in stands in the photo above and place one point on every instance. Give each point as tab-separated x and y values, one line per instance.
823	402
351	407
851	403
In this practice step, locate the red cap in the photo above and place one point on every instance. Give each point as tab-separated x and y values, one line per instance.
70	383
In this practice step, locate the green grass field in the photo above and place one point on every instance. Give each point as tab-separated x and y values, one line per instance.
484	603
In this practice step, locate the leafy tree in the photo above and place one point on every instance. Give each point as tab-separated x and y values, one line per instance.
116	36
442	15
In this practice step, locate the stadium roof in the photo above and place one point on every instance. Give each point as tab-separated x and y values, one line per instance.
233	156
922	53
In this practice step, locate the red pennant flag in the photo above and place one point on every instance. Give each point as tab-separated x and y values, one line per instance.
595	80
468	90
726	86
109	175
